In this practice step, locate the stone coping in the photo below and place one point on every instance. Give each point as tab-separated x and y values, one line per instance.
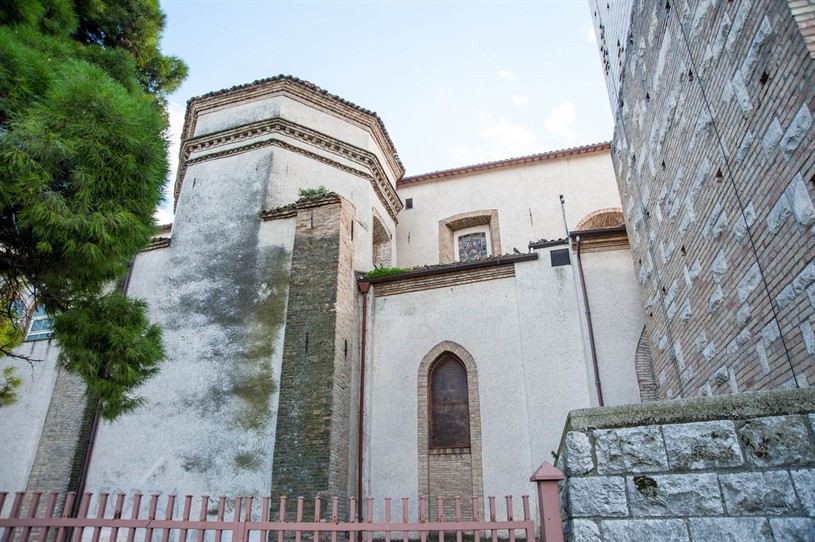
726	407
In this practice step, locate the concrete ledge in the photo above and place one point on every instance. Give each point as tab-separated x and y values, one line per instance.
726	407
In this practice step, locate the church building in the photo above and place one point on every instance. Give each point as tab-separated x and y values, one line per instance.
290	371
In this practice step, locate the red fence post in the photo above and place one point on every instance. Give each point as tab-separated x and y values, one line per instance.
547	477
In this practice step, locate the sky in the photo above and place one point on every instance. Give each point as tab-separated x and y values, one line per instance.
455	83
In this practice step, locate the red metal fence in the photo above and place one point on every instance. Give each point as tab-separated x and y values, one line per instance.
49	520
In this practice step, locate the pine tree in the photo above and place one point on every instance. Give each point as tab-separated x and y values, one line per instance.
83	86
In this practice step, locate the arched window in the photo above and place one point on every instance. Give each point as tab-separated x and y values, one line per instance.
449	404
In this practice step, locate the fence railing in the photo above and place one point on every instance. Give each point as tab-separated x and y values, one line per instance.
47	519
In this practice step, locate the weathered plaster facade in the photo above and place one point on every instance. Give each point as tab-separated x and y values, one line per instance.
257	292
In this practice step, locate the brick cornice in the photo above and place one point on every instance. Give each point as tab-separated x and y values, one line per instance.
367	160
157	242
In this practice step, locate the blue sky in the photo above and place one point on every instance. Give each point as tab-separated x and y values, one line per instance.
455	83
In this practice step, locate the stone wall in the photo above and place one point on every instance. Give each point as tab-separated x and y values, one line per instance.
726	468
714	151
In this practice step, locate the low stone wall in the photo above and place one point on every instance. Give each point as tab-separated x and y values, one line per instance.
738	468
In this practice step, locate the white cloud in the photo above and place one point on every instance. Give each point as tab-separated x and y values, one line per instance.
520	100
559	122
506	74
590	36
508	139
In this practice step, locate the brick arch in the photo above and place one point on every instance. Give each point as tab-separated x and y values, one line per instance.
644	366
601	218
451	224
449	472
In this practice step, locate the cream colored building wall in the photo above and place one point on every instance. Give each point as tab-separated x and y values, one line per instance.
526	197
617	320
525	336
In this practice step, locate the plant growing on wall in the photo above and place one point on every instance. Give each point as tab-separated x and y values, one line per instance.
384	272
83	162
313	193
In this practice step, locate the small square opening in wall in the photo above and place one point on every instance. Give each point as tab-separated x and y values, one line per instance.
560	257
408	203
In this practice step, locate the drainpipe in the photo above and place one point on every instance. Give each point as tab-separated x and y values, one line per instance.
83	475
363	289
588	322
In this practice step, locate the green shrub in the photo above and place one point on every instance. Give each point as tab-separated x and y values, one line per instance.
313	193
384	272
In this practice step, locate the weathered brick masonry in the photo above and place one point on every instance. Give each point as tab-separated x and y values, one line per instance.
714	151
312	442
65	438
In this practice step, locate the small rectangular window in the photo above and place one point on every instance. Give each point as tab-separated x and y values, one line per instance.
409	203
42	327
560	257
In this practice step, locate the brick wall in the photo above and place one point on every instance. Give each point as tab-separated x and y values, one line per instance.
726	468
448	472
65	436
312	443
714	151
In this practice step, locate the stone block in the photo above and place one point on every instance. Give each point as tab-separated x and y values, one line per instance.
808	336
730	529
804	482
602	496
778	215
577	454
797	131
674	495
581	530
719	266
639	530
771	137
793	529
758	494
777	441
715	300
635	449
800	202
749	282
702	445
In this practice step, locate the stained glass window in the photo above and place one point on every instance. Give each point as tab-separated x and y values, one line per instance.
449	404
472	246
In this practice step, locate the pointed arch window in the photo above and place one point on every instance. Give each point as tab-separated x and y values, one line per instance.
449	404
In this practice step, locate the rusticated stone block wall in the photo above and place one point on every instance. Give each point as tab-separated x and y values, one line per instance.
714	151
725	468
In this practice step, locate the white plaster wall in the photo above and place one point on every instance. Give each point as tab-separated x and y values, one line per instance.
617	320
291	172
21	423
526	197
524	334
219	293
289	108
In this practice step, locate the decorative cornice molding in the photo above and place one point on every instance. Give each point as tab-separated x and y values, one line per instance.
156	243
378	179
509	162
303	91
